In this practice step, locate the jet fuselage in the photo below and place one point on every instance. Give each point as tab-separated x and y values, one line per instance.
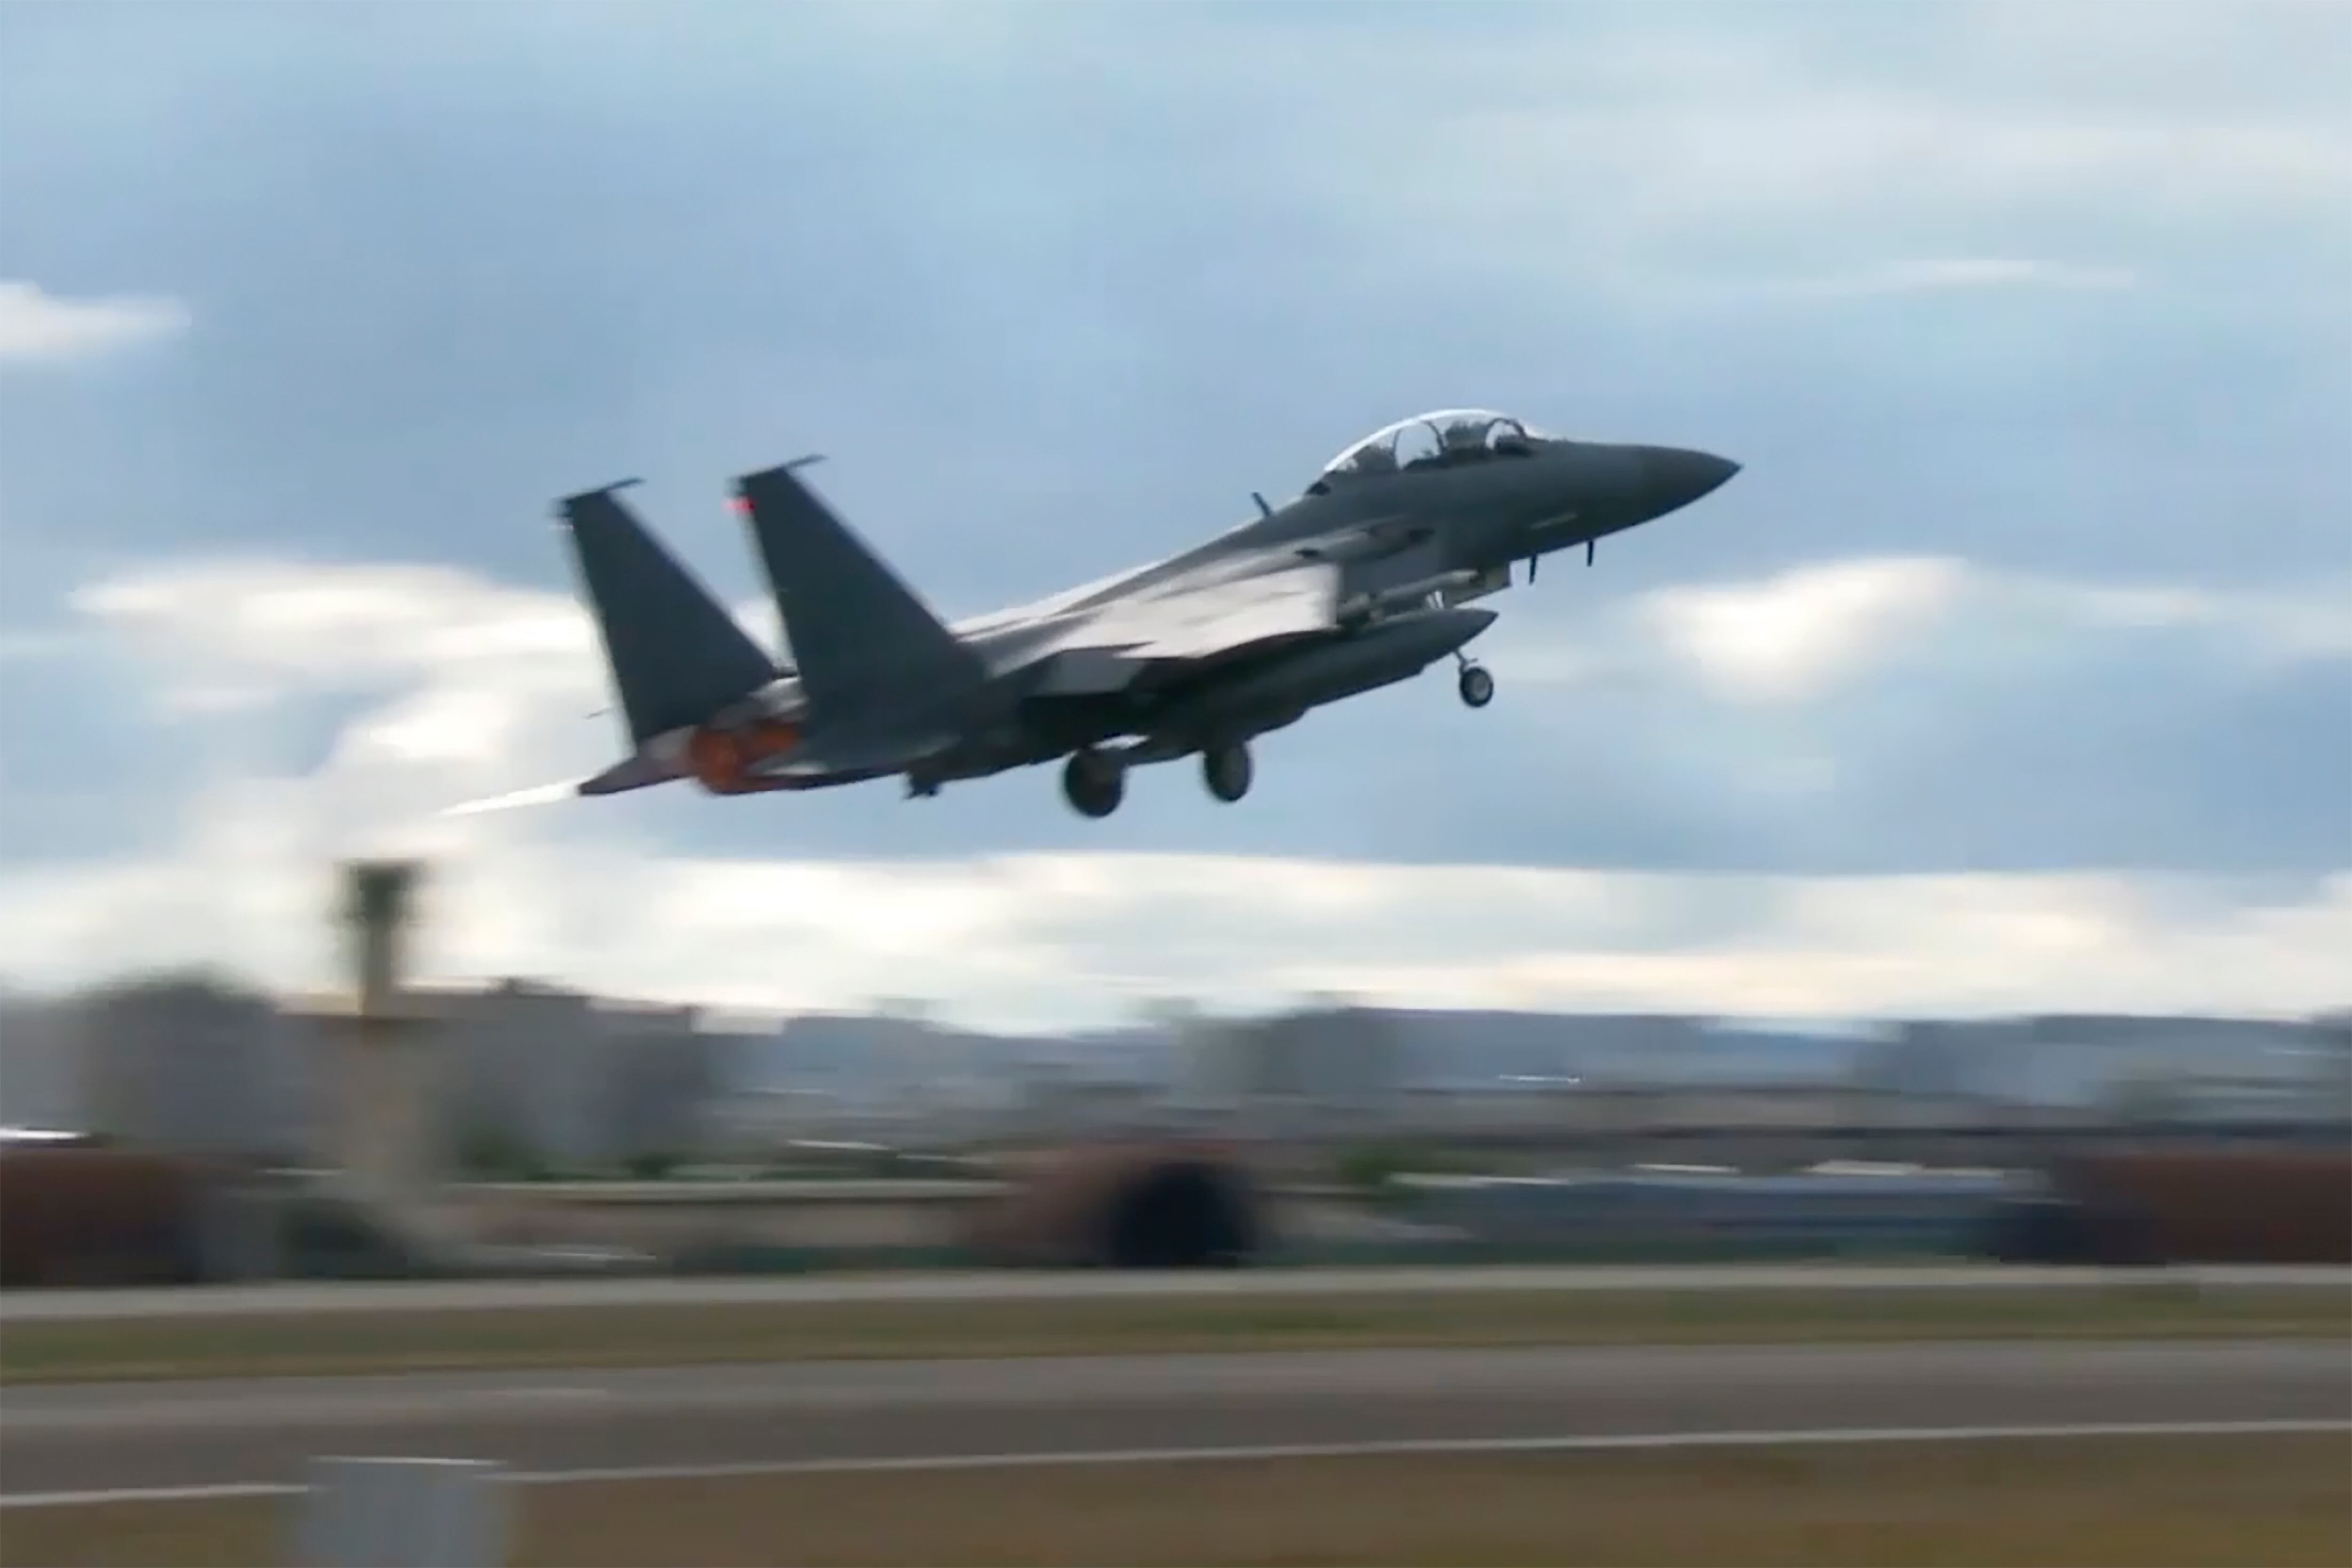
1358	581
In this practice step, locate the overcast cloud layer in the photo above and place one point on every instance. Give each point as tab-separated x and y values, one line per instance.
2014	670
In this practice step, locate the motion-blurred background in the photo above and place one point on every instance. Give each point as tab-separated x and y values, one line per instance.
186	1130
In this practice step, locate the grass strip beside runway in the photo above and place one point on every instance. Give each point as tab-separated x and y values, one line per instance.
296	1344
2140	1501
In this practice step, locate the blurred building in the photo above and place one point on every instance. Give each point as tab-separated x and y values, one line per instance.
2118	1067
530	1077
1441	1071
2332	1036
662	1075
520	1072
1058	1101
543	1078
192	1066
40	1073
896	1076
1297	1072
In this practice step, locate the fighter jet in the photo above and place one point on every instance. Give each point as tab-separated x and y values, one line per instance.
1364	579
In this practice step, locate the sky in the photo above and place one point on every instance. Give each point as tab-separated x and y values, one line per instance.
2013	671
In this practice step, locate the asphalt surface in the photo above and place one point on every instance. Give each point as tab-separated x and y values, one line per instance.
35	1306
90	1437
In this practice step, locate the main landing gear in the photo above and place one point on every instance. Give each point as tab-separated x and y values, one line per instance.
1226	771
1093	783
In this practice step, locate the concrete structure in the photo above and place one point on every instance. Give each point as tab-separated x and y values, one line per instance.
2114	1067
2332	1038
40	1071
527	1069
1297	1073
661	1073
894	1076
189	1065
542	1077
557	1080
382	1134
1066	1103
415	1513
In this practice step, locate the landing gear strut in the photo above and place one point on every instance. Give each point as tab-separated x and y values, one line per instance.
1226	771
1093	783
1476	687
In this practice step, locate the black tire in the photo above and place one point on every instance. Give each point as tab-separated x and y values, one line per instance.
1227	770
1092	784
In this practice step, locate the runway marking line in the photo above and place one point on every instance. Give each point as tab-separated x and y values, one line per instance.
1585	1443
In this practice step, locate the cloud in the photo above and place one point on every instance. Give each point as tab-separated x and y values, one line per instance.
1868	714
1044	940
1801	634
39	327
1650	159
2034	577
1961	274
472	662
1283	226
469	688
1793	635
232	634
2313	622
461	688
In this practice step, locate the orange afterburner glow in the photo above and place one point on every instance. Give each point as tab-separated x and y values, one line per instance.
722	759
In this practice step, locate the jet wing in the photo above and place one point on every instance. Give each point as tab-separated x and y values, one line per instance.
639	771
1200	617
1224	606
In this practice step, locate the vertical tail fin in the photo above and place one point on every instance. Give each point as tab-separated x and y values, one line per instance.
866	648
677	657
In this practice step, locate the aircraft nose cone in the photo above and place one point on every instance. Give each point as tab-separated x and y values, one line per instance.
1676	477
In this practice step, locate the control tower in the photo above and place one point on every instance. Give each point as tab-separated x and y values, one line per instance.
379	1135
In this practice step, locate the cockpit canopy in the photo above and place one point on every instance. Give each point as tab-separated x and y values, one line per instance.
1442	440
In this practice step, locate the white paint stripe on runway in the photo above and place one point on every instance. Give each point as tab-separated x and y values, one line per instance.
1583	1443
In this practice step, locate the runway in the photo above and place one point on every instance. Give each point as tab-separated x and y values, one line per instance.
40	1306
84	1439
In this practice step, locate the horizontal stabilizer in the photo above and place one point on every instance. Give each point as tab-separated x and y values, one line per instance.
677	657
640	772
634	773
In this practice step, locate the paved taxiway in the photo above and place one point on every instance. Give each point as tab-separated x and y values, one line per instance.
37	1306
88	1437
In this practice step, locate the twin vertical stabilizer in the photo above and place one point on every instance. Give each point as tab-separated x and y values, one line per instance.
677	657
882	680
867	651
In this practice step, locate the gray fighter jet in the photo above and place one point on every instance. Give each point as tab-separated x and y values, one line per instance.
1364	579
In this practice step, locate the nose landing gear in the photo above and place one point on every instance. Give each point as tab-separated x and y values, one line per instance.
1475	685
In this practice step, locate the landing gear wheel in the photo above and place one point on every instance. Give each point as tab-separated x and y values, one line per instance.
1476	687
1226	771
1093	783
